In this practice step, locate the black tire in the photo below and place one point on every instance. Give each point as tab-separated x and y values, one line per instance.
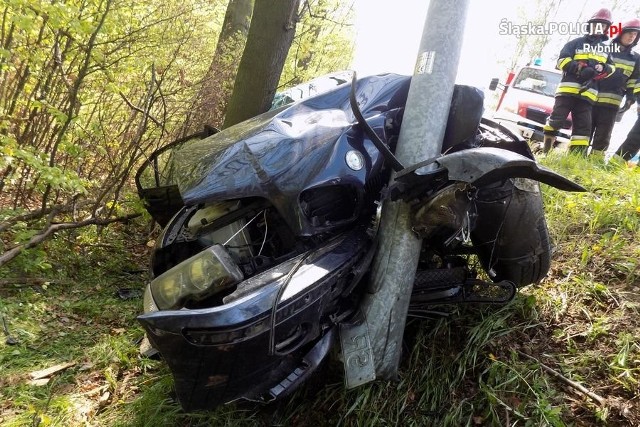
510	235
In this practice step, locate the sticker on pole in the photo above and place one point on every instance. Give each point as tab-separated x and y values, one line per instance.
356	352
425	62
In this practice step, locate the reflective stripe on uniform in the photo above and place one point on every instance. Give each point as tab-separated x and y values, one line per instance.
631	83
571	88
570	84
613	70
562	62
579	140
598	57
609	98
585	56
625	65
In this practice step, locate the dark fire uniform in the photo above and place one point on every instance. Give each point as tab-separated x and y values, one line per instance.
623	82
584	63
631	145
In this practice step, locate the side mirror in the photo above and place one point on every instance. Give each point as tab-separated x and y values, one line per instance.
494	83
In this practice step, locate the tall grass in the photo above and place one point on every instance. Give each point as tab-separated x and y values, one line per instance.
479	366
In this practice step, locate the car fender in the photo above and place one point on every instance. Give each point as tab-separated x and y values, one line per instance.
485	165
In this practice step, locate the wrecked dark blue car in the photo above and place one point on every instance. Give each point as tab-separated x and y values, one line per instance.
270	227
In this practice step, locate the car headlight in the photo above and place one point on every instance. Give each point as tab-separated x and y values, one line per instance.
148	304
198	277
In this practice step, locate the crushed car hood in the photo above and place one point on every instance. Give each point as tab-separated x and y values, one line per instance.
283	151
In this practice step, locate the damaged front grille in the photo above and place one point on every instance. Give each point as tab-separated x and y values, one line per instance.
330	204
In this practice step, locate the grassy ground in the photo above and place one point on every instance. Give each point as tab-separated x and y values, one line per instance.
565	352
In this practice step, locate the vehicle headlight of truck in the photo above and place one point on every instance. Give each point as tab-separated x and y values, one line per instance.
204	274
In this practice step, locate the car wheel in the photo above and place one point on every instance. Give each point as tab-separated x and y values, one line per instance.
510	235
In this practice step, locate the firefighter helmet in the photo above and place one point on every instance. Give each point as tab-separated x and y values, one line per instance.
603	15
631	25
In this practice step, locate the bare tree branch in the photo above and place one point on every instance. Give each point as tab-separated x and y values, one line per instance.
307	6
599	399
53	228
140	110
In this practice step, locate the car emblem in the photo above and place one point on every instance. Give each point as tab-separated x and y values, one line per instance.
354	160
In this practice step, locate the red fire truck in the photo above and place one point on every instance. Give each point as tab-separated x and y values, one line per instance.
526	101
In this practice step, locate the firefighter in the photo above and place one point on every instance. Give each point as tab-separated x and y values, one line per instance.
622	83
631	146
583	62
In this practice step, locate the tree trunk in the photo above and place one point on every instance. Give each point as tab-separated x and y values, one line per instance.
214	94
272	29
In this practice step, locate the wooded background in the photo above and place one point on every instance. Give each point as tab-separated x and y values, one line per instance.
89	88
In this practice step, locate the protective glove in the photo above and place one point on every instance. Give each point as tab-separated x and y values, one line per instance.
630	97
572	67
623	109
628	101
587	73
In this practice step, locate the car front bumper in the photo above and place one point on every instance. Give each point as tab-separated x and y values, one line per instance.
222	353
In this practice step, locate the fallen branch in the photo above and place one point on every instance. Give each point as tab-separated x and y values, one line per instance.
53	228
40	213
601	400
45	373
